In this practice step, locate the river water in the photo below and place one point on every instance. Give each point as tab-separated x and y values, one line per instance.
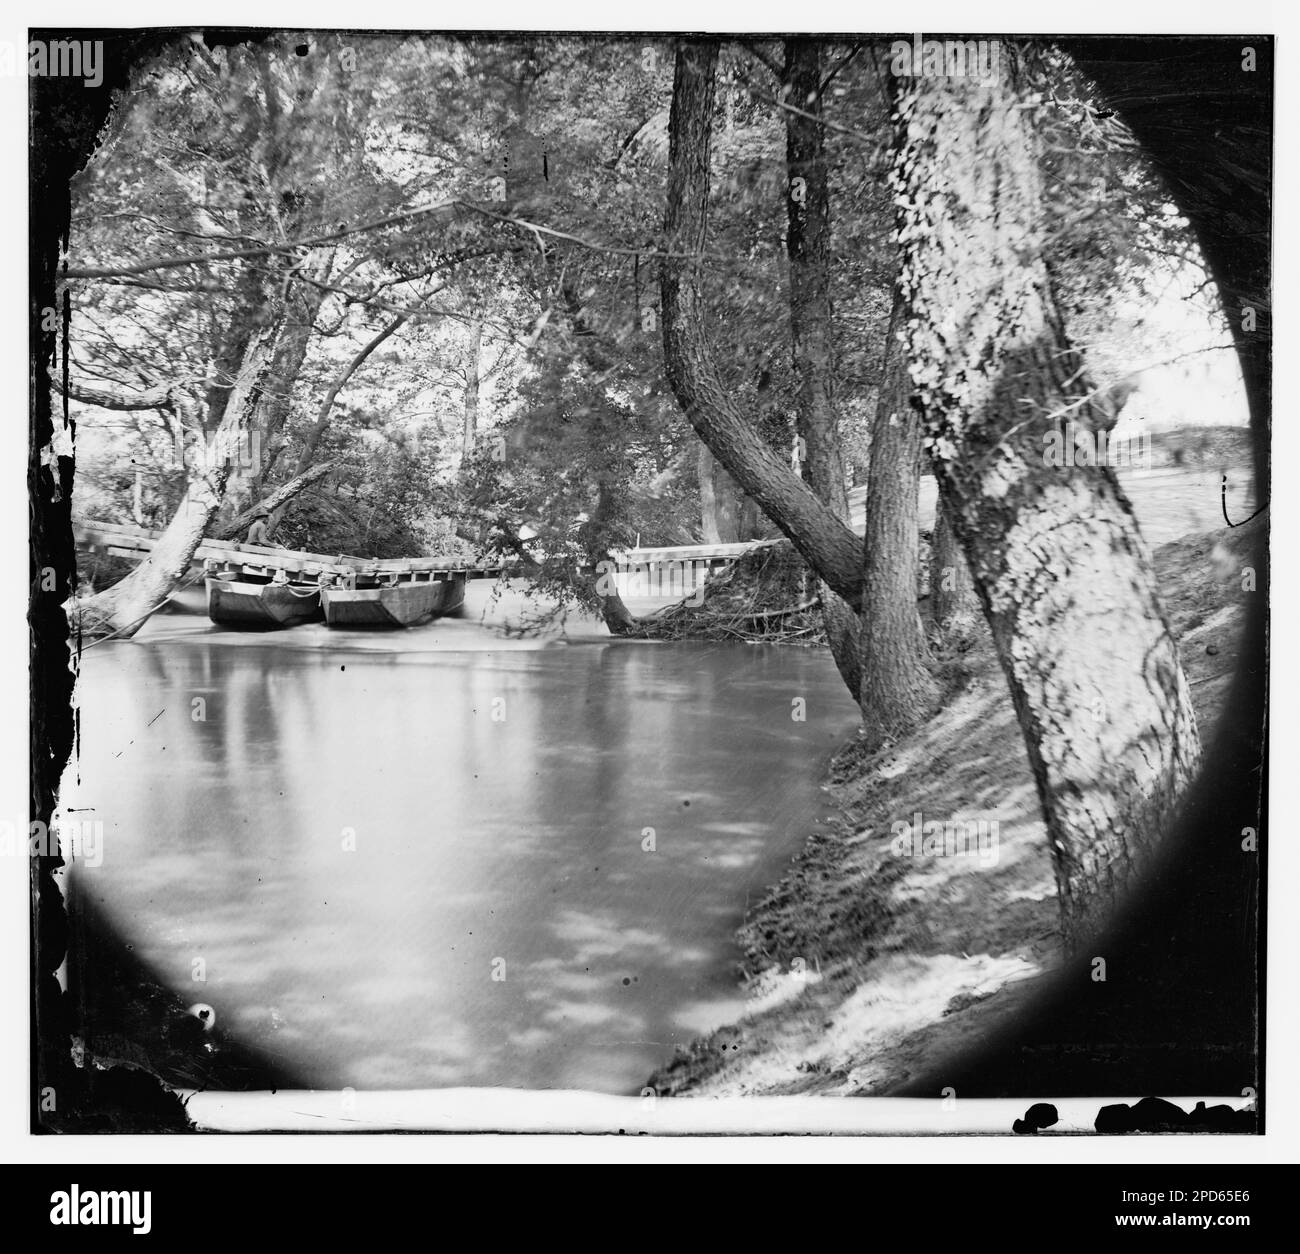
350	834
440	857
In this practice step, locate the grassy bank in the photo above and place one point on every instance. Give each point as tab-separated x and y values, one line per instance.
864	967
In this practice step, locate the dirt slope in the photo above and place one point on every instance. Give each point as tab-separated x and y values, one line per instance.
871	961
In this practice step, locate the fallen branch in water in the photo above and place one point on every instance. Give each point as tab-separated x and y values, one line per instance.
794	609
738	604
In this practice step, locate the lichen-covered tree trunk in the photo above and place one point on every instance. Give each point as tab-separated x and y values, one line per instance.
1063	574
808	237
825	542
123	608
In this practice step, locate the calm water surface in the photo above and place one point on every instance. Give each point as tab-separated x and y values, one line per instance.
498	799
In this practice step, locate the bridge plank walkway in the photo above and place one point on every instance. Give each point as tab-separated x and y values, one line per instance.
135	544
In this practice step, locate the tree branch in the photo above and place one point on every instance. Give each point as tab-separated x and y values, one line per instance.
261	250
828	544
844	63
153	398
323	414
276	500
442	207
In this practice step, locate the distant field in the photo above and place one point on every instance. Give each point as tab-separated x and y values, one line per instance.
1174	503
1170	500
1210	447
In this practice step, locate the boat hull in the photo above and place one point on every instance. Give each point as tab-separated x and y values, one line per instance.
265	606
401	606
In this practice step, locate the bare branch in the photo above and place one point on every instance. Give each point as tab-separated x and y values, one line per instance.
446	207
262	250
844	63
323	414
154	398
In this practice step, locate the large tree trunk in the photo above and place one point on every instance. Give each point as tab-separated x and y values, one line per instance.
231	352
825	542
897	691
123	608
1065	579
808	240
808	235
290	354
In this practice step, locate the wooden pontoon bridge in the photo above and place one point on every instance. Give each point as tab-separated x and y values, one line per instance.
261	586
252	585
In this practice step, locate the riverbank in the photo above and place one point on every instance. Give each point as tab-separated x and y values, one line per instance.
872	960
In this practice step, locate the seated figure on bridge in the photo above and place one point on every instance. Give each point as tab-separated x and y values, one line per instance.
257	532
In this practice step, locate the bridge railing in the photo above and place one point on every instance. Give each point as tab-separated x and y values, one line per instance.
720	553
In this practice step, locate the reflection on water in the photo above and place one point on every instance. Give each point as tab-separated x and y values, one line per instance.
355	840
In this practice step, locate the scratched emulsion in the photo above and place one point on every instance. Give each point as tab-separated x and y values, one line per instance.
517	838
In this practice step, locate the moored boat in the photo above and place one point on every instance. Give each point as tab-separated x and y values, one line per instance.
398	604
243	603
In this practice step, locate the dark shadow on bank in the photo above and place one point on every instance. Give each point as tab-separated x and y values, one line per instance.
124	1016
